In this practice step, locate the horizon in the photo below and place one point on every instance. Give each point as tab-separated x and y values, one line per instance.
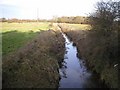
41	18
45	9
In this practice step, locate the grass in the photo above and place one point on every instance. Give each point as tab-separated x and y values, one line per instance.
13	40
35	65
15	35
25	27
79	26
99	51
32	56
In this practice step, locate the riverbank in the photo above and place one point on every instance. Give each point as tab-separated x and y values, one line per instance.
95	51
82	77
36	64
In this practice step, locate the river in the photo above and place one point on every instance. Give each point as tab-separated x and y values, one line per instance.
74	73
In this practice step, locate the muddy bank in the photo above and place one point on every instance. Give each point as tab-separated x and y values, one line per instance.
95	52
36	64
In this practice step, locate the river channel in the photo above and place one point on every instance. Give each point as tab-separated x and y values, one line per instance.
74	73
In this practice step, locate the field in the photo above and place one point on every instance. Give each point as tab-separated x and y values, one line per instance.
15	35
34	50
79	26
32	55
38	50
25	27
34	65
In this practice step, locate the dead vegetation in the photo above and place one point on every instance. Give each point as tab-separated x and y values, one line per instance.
100	53
36	64
99	46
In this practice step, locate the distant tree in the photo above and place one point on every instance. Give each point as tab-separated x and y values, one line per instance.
75	19
3	19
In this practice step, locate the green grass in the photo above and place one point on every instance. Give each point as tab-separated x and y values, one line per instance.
15	35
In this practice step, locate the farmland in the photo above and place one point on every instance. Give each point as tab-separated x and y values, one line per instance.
32	56
43	48
31	50
26	44
15	35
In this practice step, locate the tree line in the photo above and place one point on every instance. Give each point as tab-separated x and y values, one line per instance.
64	19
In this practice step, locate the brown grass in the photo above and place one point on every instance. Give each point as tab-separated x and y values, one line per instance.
36	64
96	50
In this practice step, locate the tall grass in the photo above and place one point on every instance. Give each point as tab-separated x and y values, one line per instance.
35	65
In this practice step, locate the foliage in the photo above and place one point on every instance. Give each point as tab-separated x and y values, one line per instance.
105	26
106	18
106	23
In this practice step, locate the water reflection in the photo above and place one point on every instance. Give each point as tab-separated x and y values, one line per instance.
73	72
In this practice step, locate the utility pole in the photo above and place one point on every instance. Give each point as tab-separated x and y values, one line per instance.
37	14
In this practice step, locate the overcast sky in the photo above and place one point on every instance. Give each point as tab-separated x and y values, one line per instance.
45	9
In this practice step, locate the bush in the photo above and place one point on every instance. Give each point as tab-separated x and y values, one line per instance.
105	24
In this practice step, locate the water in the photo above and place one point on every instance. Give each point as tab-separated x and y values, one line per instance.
73	73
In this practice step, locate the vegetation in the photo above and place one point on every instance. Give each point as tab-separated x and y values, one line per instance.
105	23
72	19
77	26
75	20
35	65
99	46
38	48
21	20
15	35
25	27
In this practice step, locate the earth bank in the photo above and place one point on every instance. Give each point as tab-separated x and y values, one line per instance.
98	52
36	64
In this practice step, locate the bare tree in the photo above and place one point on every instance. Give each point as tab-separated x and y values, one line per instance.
107	13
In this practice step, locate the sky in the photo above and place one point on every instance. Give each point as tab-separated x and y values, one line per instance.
45	9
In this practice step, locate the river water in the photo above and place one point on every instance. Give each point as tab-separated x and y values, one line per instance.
73	72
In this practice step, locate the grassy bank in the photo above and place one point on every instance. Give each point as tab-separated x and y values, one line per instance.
15	35
99	52
34	64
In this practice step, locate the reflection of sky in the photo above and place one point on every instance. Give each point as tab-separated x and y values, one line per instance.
45	8
73	72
